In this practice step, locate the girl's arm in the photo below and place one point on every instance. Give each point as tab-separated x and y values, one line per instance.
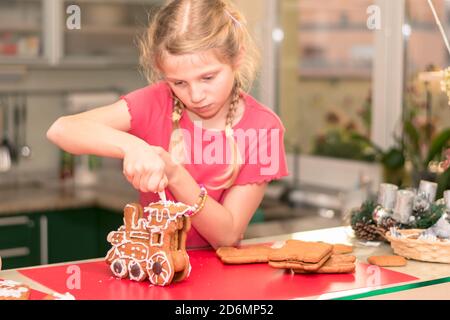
221	225
99	131
103	132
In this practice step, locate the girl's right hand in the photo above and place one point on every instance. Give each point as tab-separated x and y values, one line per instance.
144	168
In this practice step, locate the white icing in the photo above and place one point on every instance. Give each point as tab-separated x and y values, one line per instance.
9	283
124	268
160	257
161	238
141	272
190	269
13	289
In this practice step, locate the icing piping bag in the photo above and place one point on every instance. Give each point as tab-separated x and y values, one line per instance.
162	196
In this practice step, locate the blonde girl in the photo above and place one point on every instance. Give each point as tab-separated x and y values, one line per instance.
193	132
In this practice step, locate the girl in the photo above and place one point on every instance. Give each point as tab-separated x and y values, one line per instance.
193	133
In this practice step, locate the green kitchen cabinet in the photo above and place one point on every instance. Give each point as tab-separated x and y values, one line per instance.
72	235
107	221
56	236
20	241
258	216
80	234
60	236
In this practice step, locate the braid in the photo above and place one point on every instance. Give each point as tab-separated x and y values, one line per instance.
236	95
231	173
177	110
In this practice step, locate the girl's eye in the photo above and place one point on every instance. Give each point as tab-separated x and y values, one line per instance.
208	78
178	83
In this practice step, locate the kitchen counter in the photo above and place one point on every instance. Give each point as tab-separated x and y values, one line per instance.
53	196
428	274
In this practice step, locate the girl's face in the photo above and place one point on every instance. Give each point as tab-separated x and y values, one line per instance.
200	81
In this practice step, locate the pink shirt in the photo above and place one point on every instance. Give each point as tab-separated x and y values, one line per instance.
259	134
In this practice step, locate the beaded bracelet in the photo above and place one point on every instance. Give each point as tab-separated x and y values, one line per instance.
200	202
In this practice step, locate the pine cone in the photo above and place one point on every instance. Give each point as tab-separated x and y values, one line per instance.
384	227
367	232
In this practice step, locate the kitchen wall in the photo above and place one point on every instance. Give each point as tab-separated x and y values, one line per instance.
43	110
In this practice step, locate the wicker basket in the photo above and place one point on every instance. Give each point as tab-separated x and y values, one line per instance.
424	250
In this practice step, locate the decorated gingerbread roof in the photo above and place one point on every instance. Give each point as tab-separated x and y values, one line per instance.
162	213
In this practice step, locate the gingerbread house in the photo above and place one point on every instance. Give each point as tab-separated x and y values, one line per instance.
153	247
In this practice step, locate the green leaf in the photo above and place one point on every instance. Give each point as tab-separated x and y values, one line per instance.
412	135
363	213
443	182
358	137
393	159
437	145
429	217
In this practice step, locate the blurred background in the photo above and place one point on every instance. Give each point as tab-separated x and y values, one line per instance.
357	84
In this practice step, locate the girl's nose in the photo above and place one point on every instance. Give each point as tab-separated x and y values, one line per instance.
197	94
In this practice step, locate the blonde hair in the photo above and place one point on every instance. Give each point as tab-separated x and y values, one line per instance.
193	26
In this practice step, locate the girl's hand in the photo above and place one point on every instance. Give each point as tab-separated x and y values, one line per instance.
171	167
144	168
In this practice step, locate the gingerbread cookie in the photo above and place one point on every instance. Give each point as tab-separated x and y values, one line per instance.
387	261
308	256
335	264
12	290
250	254
342	249
152	247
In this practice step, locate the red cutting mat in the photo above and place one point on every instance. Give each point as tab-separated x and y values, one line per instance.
210	279
35	294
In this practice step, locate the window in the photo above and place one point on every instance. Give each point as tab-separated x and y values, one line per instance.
432	108
325	73
425	104
157	239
